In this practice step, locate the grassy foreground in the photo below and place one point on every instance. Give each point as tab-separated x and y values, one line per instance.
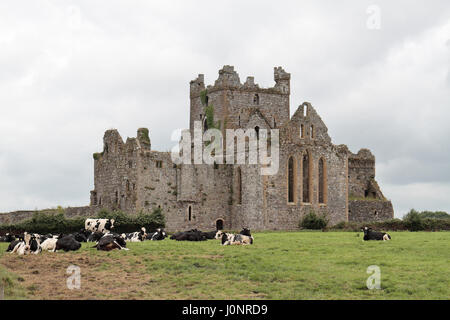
279	265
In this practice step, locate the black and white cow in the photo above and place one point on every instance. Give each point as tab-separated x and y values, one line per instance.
369	234
110	242
159	234
101	225
236	239
135	236
67	243
29	243
245	232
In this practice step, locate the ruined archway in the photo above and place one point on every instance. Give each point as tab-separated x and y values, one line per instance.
219	224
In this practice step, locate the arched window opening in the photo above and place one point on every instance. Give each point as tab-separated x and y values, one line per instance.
205	125
257	132
322	181
219	224
256	99
305	110
206	100
291	180
312	131
239	182
306	178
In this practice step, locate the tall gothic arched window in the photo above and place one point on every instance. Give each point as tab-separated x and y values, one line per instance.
291	180
239	181
322	181
306	178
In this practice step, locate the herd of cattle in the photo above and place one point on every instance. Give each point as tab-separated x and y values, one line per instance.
100	232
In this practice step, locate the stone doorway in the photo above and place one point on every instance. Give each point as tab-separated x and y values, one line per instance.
219	224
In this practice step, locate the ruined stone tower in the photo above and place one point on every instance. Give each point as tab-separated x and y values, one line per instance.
314	174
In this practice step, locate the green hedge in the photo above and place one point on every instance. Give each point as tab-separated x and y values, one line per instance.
43	223
313	221
421	224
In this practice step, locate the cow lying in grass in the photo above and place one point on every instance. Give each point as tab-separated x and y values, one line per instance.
232	239
49	244
369	234
135	236
191	235
28	243
159	234
244	231
110	242
67	243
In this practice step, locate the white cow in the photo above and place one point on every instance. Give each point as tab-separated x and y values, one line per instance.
49	244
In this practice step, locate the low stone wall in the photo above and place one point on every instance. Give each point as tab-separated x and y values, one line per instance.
70	212
370	210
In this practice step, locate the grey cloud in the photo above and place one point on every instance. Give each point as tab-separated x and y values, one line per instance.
72	70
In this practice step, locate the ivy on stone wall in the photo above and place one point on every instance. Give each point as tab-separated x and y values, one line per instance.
144	136
97	155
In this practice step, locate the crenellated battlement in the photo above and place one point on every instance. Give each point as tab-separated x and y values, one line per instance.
229	80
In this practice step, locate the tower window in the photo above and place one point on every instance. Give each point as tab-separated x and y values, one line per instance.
256	99
159	164
312	132
257	132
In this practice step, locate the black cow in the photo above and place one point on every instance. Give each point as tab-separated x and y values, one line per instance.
67	243
82	235
95	236
13	244
191	235
369	234
211	234
110	242
245	232
8	238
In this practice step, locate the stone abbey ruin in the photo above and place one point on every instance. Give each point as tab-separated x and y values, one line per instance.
314	174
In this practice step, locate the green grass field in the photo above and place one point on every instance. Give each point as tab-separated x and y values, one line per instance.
279	265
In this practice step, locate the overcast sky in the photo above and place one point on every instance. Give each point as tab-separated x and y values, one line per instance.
69	70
